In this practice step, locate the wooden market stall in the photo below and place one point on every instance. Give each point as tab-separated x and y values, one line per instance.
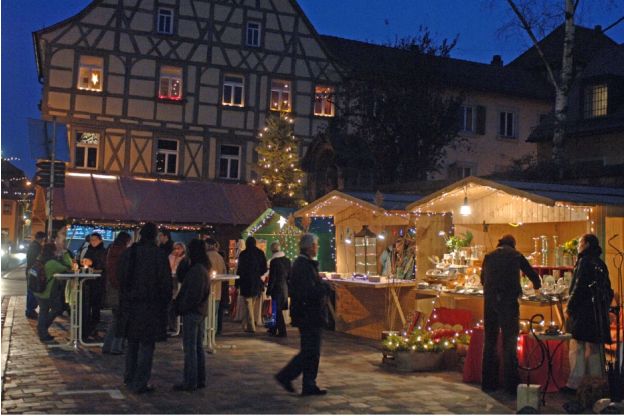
542	217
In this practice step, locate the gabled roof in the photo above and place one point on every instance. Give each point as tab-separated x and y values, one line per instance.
394	202
449	72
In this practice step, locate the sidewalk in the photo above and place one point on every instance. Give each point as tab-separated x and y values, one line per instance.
39	379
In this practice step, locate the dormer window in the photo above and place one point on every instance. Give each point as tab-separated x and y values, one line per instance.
164	21
596	100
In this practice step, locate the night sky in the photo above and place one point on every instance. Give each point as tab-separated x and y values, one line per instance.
475	21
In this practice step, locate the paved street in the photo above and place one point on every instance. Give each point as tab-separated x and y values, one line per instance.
38	379
13	282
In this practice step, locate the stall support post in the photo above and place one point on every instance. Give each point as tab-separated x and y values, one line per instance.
52	153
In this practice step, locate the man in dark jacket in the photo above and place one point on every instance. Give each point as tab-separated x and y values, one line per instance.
165	242
251	266
500	277
34	250
277	287
308	312
145	291
94	290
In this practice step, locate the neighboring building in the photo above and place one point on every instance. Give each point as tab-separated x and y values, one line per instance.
16	198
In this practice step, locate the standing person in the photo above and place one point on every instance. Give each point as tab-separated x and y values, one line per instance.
144	291
94	290
279	269
164	241
175	258
500	277
80	253
217	266
192	305
308	310
34	250
112	343
251	266
588	312
51	299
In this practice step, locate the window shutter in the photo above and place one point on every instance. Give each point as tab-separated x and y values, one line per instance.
480	120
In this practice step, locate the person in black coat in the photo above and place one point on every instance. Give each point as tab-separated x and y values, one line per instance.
94	290
587	316
277	287
308	310
144	292
34	250
500	277
251	266
164	241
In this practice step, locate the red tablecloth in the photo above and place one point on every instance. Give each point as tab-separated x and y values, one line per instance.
529	355
451	316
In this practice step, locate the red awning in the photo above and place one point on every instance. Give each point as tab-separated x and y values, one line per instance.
124	199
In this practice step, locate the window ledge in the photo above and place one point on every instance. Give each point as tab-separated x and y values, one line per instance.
233	107
321	116
171	101
508	139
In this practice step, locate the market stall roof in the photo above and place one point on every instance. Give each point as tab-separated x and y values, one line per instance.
108	198
388	201
267	218
513	201
333	202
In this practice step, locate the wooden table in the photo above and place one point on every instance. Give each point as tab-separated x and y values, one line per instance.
211	320
366	308
75	303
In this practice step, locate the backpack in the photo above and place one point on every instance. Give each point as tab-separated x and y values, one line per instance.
37	279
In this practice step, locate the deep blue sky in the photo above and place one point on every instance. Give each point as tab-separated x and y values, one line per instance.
475	21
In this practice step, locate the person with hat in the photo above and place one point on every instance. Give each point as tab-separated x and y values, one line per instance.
500	277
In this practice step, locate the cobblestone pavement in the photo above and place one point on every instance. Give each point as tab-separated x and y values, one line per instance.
43	380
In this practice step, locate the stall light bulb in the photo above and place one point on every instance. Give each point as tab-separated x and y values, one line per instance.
347	240
465	209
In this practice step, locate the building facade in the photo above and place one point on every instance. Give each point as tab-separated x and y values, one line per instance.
178	89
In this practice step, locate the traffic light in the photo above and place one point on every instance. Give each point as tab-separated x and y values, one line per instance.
43	173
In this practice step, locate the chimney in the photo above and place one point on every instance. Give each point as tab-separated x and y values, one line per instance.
497	60
598	29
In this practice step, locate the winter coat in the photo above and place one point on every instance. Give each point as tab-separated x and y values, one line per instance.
193	295
251	266
589	320
217	265
500	275
183	268
277	288
34	250
52	267
308	306
167	247
97	255
113	256
145	291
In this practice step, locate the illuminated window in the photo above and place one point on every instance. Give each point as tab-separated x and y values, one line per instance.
466	118
233	88
507	126
165	21
170	83
280	95
596	100
90	75
252	37
167	157
324	101
87	145
229	162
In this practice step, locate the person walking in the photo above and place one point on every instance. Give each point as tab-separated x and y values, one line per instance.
500	277
144	291
34	250
587	314
308	310
192	304
175	258
113	344
217	266
164	241
251	266
277	288
51	299
94	290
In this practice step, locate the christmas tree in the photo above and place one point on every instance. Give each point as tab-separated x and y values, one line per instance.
278	161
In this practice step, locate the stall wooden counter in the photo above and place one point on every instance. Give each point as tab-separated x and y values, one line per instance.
364	308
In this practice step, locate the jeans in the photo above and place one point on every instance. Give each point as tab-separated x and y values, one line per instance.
112	343
194	356
139	359
49	309
31	302
92	300
307	361
584	360
500	315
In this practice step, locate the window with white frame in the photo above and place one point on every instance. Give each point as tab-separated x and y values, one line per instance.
460	170
467	118
229	161
170	83
507	127
280	95
252	34
165	21
167	157
87	147
596	101
324	101
233	88
90	73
